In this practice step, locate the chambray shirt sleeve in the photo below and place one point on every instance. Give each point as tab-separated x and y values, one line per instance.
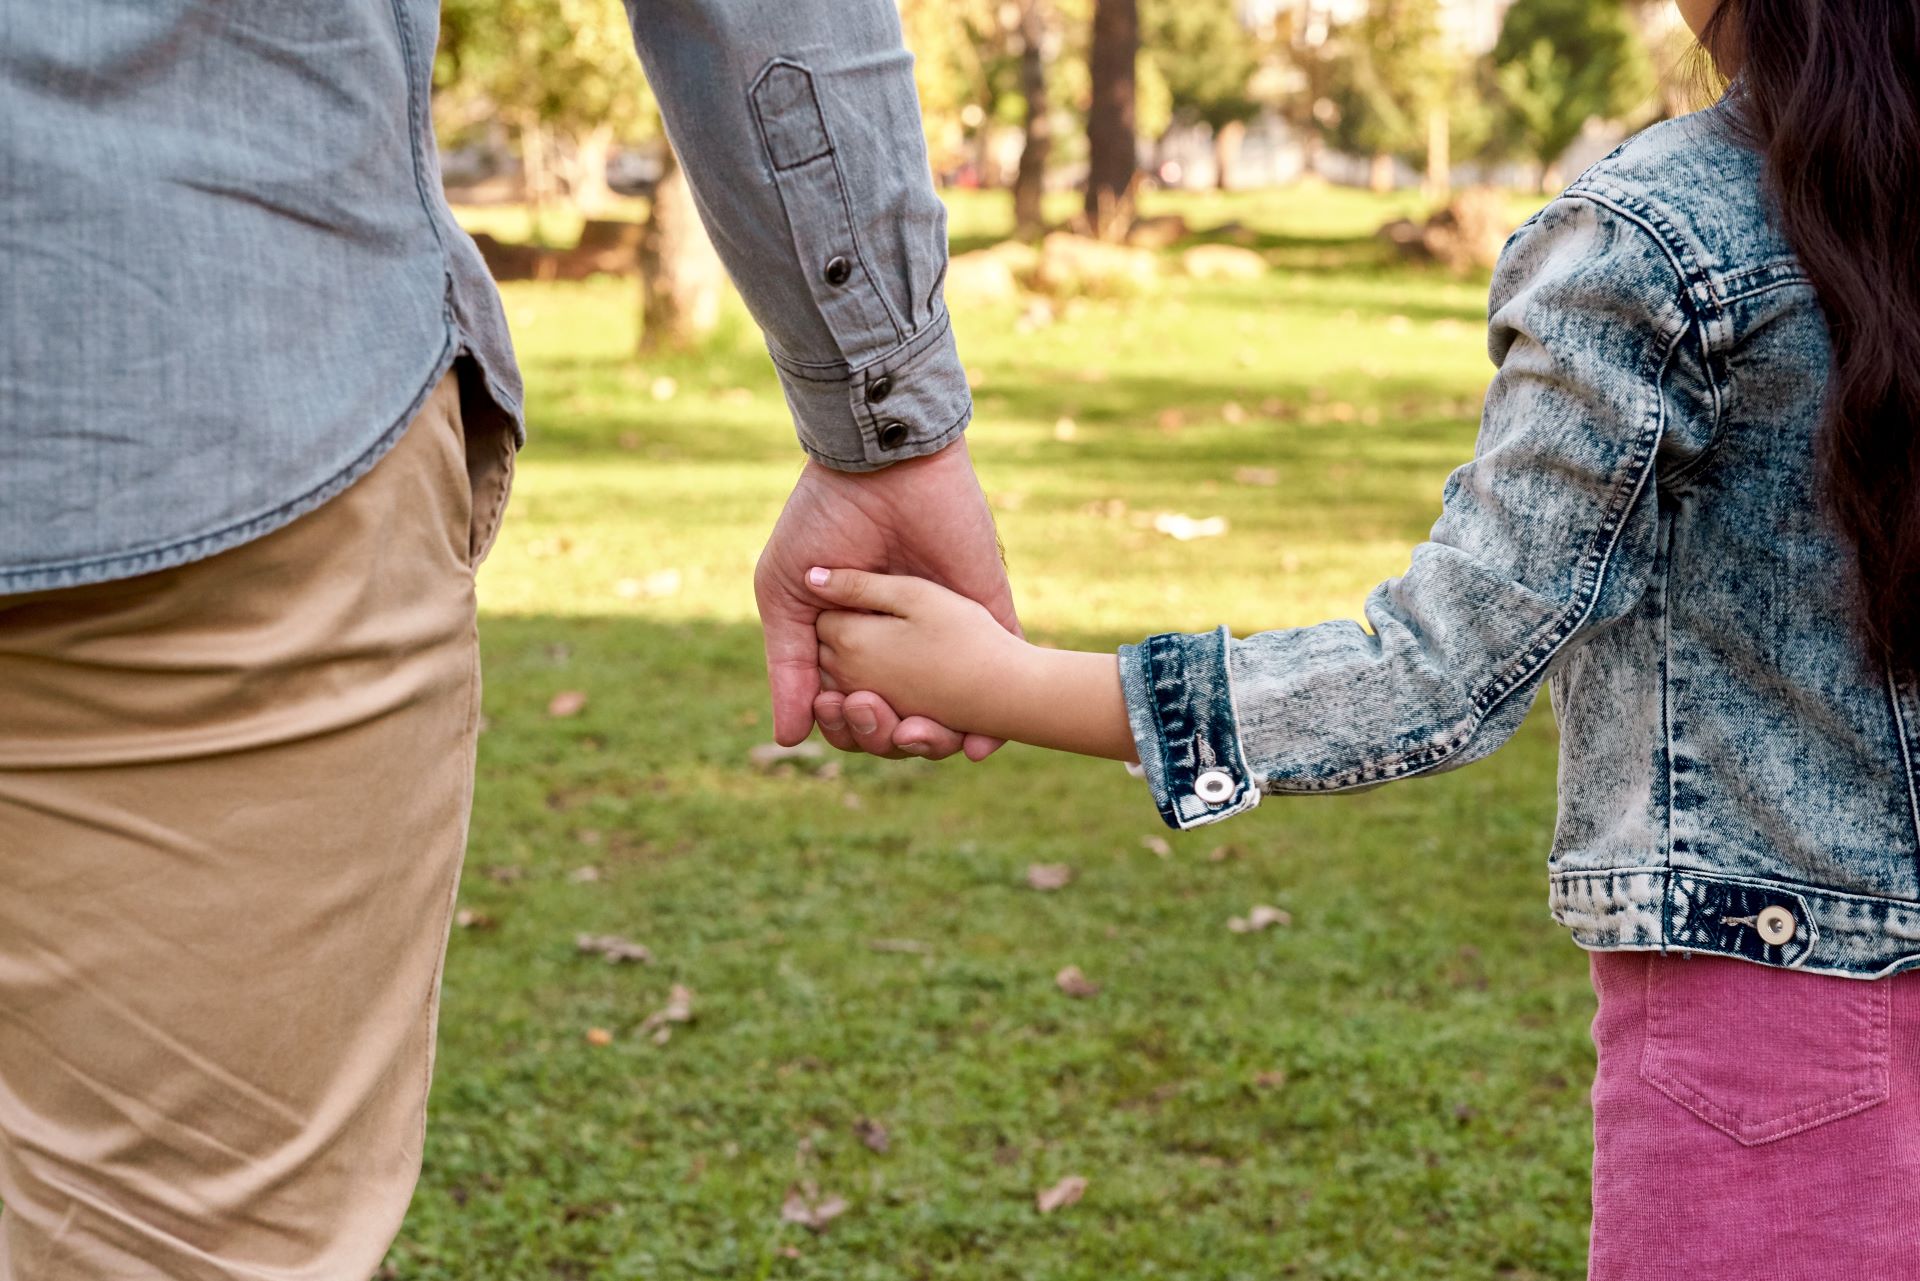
799	129
1547	535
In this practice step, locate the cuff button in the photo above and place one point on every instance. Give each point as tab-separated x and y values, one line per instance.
879	389
1214	786
893	434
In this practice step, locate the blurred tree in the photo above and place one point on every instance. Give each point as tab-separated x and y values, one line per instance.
563	77
1030	183
1209	60
1112	144
1391	86
1561	63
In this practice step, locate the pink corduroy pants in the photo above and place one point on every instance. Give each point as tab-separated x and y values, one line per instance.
1753	1122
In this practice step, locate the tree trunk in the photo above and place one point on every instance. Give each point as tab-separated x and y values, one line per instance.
536	175
1030	182
1111	145
1439	155
1226	151
1380	174
587	175
681	277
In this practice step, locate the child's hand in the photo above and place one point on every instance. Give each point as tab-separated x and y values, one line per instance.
926	650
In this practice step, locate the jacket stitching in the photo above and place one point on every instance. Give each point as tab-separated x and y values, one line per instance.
1589	584
1904	732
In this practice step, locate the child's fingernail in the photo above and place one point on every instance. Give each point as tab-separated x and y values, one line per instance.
862	720
914	749
818	577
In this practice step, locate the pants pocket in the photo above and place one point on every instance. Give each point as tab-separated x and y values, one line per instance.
1761	1053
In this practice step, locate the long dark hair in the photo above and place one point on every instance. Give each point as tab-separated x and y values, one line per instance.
1829	92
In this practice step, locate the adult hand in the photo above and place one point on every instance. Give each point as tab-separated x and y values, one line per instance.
925	517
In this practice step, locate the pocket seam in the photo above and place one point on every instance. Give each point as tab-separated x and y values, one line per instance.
1771	1129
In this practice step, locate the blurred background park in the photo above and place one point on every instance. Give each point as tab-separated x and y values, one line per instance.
713	1009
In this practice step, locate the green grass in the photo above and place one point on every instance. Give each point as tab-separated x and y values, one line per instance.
1392	1087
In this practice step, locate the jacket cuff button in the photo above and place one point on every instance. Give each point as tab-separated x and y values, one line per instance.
1213	787
879	389
893	434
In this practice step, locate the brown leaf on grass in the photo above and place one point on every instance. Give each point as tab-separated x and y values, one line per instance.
568	702
1075	984
1271	1080
678	1009
765	756
1157	845
1259	919
1224	853
1061	1195
1049	876
808	1208
599	1036
584	875
1259	477
468	918
504	873
873	1134
613	947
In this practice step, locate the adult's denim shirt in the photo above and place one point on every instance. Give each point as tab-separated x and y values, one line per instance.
1639	530
229	277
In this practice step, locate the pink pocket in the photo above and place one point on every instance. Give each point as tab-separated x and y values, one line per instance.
1761	1053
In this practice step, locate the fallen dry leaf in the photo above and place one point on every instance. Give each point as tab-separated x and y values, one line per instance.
768	755
504	873
1049	876
805	1206
599	1036
1158	845
1075	984
1271	1080
1223	853
613	947
1062	1194
678	1009
568	702
873	1134
1260	477
585	875
468	918
1259	919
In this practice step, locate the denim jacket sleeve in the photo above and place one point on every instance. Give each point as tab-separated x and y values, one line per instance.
800	132
1547	535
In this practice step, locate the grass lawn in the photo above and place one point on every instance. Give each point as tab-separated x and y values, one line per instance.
1393	1086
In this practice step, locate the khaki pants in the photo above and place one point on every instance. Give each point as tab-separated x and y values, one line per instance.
233	804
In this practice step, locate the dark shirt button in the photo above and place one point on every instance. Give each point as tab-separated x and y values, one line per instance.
893	434
878	389
839	270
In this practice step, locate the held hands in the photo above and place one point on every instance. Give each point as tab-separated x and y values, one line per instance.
924	516
927	651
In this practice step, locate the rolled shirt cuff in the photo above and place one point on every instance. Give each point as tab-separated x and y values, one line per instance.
1180	707
906	403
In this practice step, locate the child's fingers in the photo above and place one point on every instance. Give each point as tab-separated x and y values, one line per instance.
857	589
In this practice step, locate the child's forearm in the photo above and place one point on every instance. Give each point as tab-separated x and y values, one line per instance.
1066	700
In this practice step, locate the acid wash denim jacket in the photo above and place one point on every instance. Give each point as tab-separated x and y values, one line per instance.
1639	531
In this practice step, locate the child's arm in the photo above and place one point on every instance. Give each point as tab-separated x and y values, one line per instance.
931	652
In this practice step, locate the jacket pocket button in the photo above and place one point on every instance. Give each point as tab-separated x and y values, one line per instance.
1214	786
1776	925
838	271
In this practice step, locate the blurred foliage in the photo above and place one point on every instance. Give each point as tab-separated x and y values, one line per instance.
1392	72
1207	58
1561	63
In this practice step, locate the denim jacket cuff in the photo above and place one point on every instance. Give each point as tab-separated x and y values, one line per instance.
1180	707
905	403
